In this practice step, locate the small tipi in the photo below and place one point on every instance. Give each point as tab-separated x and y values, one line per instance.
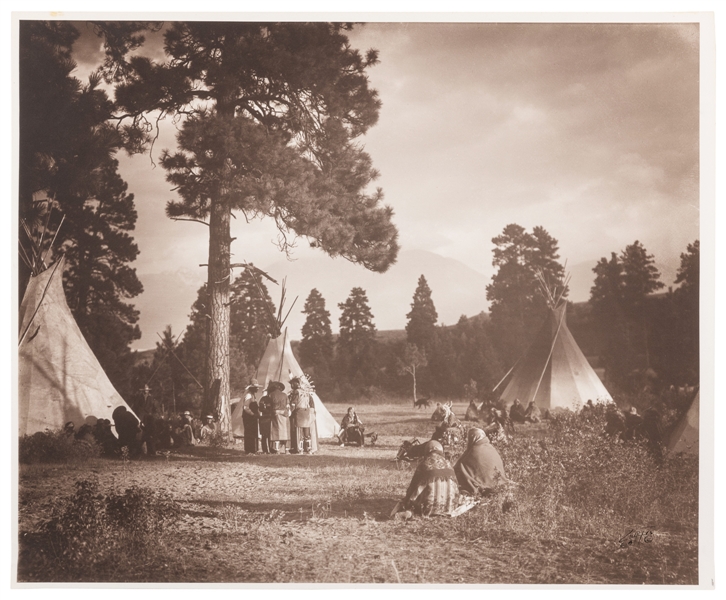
59	377
554	372
684	438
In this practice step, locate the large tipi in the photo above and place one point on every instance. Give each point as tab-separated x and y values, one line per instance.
684	437
554	372
59	377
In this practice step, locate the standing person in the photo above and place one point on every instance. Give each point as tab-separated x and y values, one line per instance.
265	419
303	417
296	439
280	423
250	418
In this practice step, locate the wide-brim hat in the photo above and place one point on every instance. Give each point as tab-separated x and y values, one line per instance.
275	385
253	384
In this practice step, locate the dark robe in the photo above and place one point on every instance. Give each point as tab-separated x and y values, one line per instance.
265	422
480	468
251	428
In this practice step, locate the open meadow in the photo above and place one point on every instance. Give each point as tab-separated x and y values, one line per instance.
584	510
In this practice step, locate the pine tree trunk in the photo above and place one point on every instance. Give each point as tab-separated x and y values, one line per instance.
218	287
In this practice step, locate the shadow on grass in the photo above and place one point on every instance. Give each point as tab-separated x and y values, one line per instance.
351	455
378	509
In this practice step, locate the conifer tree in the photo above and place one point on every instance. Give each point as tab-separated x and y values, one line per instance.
316	347
252	322
357	341
67	152
273	111
421	326
517	306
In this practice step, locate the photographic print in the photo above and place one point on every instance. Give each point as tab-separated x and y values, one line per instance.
313	302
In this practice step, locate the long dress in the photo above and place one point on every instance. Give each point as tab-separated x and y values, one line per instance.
280	424
250	420
480	468
433	489
265	422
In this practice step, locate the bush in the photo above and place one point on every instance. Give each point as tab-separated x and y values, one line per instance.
91	534
579	480
55	446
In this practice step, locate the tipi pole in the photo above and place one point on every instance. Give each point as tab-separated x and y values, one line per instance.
37	308
549	356
494	389
282	356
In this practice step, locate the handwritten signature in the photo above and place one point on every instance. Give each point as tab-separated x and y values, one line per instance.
634	536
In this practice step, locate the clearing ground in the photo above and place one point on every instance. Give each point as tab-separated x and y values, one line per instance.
324	518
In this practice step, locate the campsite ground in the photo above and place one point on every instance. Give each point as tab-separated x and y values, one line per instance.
324	518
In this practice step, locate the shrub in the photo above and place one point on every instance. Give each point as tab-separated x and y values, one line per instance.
55	446
92	533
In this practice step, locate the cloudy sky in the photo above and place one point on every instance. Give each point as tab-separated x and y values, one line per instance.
589	130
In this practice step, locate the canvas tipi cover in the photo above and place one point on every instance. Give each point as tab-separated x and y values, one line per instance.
554	372
279	364
59	378
684	437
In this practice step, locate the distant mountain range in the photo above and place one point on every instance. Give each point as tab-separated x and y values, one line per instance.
455	289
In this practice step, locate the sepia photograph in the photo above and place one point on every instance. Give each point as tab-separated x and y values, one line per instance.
387	302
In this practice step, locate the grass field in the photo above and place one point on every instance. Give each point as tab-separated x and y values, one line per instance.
324	518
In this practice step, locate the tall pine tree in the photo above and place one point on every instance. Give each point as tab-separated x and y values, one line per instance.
517	306
421	326
252	321
316	347
357	340
272	114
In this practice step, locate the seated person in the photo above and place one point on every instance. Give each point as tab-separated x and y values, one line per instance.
185	432
480	468
532	414
516	412
433	489
351	429
207	430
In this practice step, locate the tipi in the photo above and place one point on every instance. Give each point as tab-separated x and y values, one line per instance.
684	437
554	372
59	377
278	363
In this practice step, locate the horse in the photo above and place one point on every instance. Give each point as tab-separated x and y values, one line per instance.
422	402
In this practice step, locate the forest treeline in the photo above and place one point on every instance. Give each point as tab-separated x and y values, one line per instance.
261	143
639	335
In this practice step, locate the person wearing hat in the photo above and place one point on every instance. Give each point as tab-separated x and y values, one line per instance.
250	418
208	429
280	423
265	419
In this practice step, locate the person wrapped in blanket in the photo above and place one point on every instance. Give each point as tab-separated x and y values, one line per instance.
433	489
352	430
480	468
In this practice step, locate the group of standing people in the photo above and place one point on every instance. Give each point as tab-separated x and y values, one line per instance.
277	419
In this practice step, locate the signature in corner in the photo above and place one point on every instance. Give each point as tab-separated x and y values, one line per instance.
635	536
